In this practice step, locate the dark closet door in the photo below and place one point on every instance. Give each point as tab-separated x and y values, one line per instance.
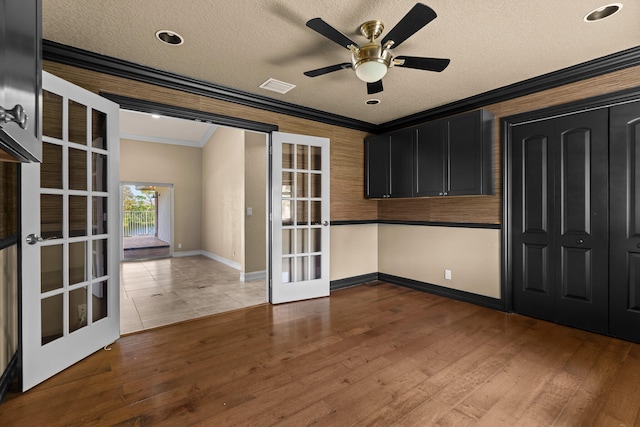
625	222
560	220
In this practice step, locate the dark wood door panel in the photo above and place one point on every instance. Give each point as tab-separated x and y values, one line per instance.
625	221
465	148
576	274
377	166
429	160
575	172
582	174
533	261
401	164
534	184
560	219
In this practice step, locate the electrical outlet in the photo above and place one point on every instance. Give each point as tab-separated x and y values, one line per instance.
447	274
82	312
179	245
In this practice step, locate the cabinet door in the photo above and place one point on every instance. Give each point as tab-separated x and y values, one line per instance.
377	166
465	155
401	163
624	261
429	159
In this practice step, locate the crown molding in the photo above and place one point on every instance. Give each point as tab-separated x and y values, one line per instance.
596	67
68	55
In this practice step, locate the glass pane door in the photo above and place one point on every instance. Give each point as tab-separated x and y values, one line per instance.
301	217
70	273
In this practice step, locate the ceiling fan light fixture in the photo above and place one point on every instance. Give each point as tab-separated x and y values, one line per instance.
371	62
370	70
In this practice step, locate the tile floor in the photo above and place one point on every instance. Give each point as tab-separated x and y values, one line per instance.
164	291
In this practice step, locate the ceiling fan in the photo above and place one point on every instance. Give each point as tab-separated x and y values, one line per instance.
372	60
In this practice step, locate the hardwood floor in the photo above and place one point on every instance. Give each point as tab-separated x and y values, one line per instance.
376	354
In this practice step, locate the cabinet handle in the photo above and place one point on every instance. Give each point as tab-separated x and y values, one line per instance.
16	114
579	241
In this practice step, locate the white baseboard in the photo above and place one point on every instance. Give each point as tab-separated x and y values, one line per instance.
253	276
222	260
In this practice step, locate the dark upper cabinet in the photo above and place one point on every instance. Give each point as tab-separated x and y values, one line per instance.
377	166
20	76
389	165
453	156
447	157
431	143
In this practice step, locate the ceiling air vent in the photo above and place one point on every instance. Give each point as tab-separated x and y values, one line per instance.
277	86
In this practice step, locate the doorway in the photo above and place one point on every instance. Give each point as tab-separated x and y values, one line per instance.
147	225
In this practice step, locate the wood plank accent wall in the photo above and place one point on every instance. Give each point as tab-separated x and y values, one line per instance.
486	209
347	146
8	200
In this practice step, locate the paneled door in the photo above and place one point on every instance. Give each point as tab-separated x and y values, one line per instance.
560	219
300	217
70	268
625	221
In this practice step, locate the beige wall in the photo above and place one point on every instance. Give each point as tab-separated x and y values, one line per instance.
423	253
223	195
170	164
255	188
354	250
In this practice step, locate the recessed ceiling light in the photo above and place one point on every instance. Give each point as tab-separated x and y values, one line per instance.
602	12
277	86
169	37
372	101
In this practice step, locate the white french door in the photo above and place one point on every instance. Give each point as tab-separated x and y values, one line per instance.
300	221
70	205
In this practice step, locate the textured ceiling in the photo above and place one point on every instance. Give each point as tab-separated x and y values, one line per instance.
242	43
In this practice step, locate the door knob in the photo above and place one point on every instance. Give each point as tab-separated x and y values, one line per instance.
16	114
579	241
32	239
325	223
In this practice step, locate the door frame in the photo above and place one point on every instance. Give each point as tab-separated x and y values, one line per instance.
171	208
144	106
506	124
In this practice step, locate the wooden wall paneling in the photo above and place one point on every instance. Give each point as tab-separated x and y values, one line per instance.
487	209
8	199
347	147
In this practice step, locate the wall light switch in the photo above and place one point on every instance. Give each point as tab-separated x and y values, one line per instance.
249	211
447	274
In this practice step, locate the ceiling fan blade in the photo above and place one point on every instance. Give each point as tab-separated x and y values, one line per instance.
419	63
374	87
317	24
326	70
419	16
